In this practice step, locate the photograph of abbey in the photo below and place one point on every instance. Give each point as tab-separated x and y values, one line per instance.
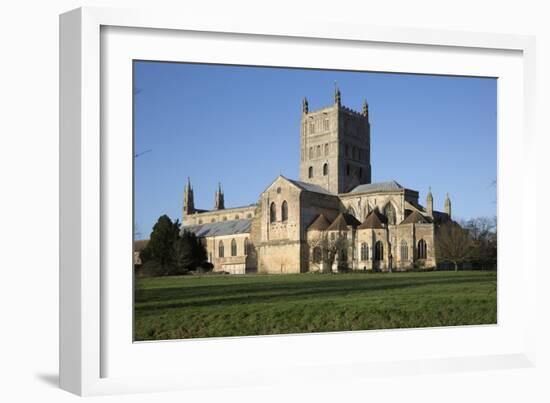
324	239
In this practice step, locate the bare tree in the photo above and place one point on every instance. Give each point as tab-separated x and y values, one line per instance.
328	247
483	233
453	244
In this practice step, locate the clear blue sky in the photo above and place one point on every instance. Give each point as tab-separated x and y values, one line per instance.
240	126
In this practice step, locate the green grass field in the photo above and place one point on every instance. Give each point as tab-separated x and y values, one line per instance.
214	306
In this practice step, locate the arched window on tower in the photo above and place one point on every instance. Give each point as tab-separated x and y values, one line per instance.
326	149
325	169
310	153
378	251
284	211
233	247
272	213
404	250
422	249
389	212
310	172
318	151
220	249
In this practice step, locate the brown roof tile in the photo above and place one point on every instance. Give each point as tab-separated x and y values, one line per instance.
140	245
342	222
319	224
416	218
374	220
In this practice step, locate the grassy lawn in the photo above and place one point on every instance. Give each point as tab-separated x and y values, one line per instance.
214	306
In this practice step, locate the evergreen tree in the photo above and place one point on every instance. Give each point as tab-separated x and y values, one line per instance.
158	256
169	253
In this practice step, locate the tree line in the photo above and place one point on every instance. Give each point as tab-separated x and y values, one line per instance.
468	244
170	252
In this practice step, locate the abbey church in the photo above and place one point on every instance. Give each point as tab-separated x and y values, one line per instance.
331	219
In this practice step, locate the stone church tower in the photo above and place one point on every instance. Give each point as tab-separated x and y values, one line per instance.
335	146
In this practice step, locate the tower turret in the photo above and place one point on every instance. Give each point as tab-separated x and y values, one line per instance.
218	198
305	106
448	205
188	200
430	203
366	109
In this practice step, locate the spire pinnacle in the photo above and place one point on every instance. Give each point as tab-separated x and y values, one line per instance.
337	95
430	202
305	106
365	108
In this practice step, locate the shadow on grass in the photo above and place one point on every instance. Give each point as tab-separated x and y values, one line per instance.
234	294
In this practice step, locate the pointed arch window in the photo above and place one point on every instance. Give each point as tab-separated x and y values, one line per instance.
389	212
404	250
422	249
233	247
378	251
364	251
326	149
284	211
325	169
220	249
310	172
272	213
317	254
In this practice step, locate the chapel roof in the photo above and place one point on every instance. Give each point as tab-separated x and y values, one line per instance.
342	222
319	224
374	220
230	227
388	186
139	245
416	218
310	187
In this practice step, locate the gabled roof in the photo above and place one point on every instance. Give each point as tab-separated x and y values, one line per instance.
319	224
374	220
416	218
342	222
411	205
220	228
139	245
310	187
388	186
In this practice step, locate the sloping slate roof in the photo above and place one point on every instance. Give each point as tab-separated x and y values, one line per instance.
140	244
377	187
342	221
310	187
374	220
220	228
319	224
412	205
416	218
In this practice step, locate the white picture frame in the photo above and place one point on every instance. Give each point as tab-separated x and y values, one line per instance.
97	357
